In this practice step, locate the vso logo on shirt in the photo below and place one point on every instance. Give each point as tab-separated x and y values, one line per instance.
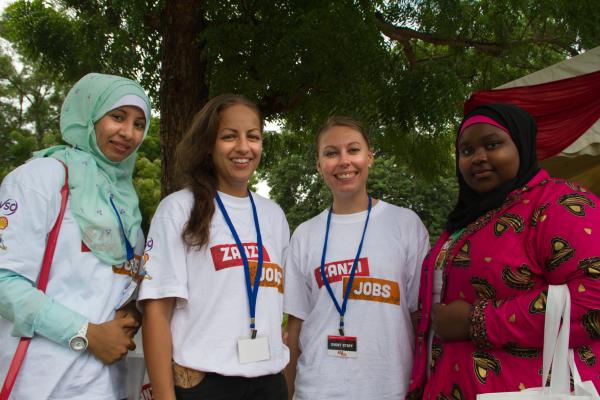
8	207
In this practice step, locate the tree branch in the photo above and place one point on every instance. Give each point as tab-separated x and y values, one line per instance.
403	34
409	52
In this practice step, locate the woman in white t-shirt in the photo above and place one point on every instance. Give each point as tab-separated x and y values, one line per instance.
213	300
79	330
352	277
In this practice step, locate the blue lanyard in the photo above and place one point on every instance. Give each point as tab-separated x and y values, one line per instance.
252	291
128	248
342	309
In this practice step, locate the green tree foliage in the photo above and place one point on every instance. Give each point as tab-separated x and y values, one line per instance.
71	38
147	174
432	199
404	68
453	47
289	167
298	59
29	104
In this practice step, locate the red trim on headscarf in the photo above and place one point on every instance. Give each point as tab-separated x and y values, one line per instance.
481	119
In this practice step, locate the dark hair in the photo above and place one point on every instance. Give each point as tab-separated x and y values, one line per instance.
340	120
195	168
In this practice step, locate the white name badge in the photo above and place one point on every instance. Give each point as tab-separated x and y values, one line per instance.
129	294
252	350
342	346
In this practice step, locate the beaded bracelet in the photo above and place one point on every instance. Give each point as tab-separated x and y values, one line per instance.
477	328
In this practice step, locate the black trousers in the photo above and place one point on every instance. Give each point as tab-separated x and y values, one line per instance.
219	387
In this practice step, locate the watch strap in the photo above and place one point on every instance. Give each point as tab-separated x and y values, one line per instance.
81	335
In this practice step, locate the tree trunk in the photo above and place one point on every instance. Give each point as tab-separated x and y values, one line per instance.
184	88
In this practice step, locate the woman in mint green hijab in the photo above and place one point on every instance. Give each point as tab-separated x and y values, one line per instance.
104	169
81	328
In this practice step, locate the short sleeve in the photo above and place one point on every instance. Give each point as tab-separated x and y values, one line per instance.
567	244
165	256
296	299
567	235
29	205
564	243
285	237
416	255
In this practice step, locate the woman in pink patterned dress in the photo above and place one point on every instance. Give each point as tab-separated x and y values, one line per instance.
514	231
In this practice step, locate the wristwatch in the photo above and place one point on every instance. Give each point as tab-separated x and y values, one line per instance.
79	342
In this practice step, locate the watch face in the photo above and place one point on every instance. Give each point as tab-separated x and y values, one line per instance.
78	343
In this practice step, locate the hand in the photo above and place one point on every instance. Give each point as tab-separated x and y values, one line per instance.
110	341
284	337
130	310
451	321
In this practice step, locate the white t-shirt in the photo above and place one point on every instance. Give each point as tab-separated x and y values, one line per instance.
383	294
78	280
212	310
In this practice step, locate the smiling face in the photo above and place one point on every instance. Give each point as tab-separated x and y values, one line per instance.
343	161
237	149
487	157
120	131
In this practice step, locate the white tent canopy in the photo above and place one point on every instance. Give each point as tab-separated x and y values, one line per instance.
580	161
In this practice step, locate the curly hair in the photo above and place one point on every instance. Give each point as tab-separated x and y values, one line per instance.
195	168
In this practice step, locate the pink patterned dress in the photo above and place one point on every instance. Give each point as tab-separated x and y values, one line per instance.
547	232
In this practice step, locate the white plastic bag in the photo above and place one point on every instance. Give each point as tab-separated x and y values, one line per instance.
556	355
146	390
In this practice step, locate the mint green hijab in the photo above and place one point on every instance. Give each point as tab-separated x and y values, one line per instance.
93	178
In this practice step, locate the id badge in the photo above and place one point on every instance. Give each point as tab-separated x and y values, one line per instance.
128	295
252	350
342	346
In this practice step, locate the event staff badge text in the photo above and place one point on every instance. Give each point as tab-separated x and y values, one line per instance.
342	346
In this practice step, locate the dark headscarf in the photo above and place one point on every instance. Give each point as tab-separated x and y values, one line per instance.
522	129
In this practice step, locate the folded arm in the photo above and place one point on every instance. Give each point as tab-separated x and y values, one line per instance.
33	312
